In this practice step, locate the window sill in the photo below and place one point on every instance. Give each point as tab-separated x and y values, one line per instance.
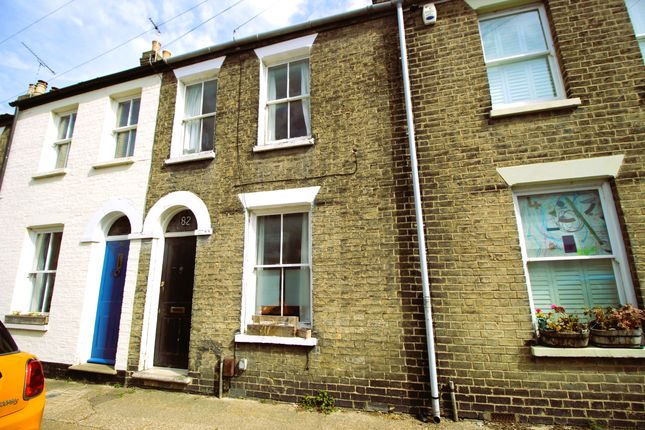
532	107
275	340
29	327
293	143
207	155
590	351
50	174
113	163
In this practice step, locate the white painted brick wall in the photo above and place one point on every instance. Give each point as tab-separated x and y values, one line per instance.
72	200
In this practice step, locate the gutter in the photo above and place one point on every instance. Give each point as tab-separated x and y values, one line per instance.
262	37
432	362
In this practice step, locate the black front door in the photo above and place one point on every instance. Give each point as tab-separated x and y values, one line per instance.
175	303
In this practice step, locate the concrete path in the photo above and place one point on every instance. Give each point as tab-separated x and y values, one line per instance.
72	405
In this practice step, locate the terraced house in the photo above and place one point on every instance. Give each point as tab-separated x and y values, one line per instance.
276	252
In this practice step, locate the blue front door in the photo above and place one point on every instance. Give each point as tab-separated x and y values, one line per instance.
108	311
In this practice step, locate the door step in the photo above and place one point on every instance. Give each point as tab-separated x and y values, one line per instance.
103	369
163	378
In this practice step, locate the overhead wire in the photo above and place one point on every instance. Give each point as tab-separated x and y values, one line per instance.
121	44
35	22
204	22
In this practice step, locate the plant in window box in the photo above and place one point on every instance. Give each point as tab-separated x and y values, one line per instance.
34	318
616	327
559	328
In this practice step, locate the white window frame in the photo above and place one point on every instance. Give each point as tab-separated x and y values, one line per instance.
33	272
618	258
280	202
272	56
127	128
67	140
189	75
640	37
559	100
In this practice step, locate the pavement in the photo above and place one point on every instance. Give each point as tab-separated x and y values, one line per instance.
73	405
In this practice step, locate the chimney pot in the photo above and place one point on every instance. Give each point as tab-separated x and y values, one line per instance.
41	87
156	45
166	54
32	89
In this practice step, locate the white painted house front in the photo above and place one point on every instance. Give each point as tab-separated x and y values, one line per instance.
78	165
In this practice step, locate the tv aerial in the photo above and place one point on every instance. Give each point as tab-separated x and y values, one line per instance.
41	63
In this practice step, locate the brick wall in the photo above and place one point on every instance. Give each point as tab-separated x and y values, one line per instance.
360	319
479	294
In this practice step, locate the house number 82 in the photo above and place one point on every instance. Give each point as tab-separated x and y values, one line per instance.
185	220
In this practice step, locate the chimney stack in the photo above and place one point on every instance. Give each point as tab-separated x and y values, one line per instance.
153	55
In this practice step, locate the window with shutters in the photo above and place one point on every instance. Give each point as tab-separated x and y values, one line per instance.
572	248
520	58
636	9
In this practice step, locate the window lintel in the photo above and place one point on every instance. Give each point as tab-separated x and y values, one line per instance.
581	169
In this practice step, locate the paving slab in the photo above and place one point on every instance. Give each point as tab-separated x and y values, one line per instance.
74	406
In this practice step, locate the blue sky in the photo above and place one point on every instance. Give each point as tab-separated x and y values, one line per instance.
69	33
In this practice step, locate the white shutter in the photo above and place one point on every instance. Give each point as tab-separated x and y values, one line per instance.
575	285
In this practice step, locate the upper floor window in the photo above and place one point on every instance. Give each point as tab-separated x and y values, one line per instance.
636	9
43	272
199	116
287	106
520	58
193	132
284	117
64	138
127	117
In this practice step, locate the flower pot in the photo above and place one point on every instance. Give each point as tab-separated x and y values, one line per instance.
563	339
617	338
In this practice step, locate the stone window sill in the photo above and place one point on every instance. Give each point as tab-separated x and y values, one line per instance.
30	327
208	155
275	340
293	143
590	351
113	163
532	107
50	174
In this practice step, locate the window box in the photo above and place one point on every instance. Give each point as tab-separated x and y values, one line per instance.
30	319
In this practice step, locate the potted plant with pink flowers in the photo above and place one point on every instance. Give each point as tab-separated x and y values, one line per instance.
620	327
558	328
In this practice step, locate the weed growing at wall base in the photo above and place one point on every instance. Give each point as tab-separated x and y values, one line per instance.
322	402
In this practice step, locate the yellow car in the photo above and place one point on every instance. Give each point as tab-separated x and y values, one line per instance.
22	386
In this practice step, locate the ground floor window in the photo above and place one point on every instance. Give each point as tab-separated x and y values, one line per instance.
43	272
572	248
282	265
277	280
